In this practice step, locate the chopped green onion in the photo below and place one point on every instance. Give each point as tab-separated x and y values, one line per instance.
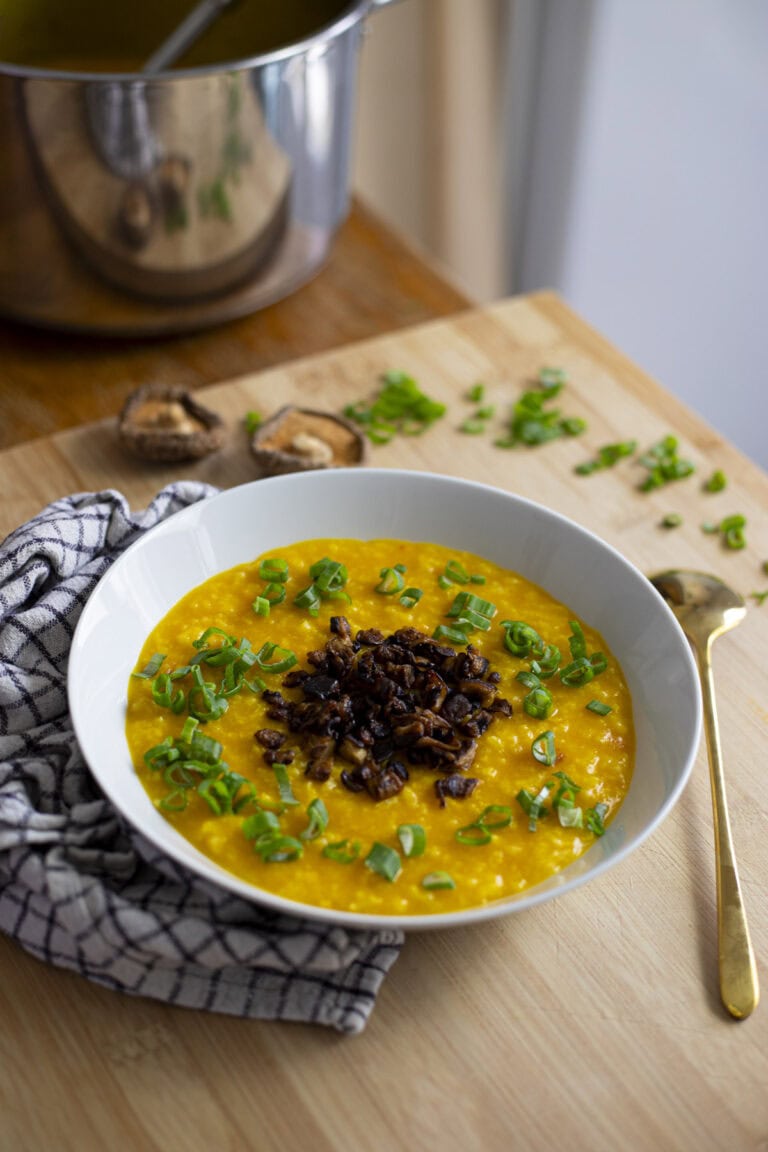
253	421
543	748
716	482
274	569
520	638
473	835
308	598
437	881
261	606
476	578
279	849
391	582
760	597
456	572
400	407
671	520
595	818
546	662
164	696
443	581
328	575
663	464
472	426
152	668
341	853
383	861
495	816
285	659
413	839
466	602
317	814
260	823
570	816
538	703
607	457
411	597
476	394
576	641
528	679
533	806
532	423
274	593
452	635
599	708
284	785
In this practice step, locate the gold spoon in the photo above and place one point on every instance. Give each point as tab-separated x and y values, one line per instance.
705	608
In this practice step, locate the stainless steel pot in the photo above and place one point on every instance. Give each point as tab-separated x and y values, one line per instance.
148	204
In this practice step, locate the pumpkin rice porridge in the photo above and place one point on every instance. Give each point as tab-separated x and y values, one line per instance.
381	727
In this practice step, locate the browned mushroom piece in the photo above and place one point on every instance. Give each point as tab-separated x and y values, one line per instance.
164	423
301	439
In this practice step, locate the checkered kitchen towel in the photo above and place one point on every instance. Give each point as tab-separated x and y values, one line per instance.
78	886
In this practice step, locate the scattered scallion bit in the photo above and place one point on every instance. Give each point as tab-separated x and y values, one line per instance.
284	785
533	805
411	597
730	529
384	861
760	597
400	407
538	703
599	708
495	816
472	426
476	394
152	668
391	582
272	658
413	839
317	820
274	570
437	881
274	593
473	835
343	851
453	635
261	606
543	748
663	464
716	482
253	420
595	818
328	582
532	422
671	520
607	457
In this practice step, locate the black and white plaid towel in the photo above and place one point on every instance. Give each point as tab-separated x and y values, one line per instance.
80	888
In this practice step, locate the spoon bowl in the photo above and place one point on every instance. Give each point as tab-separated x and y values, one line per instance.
705	608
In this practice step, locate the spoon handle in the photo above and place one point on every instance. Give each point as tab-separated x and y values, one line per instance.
738	972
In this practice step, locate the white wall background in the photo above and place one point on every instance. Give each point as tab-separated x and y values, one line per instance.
619	155
647	201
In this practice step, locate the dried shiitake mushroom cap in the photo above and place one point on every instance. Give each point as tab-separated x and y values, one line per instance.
301	439
165	423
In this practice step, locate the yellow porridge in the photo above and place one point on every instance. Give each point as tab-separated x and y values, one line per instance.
381	726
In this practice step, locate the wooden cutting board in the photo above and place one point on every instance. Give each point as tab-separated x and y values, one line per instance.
593	1022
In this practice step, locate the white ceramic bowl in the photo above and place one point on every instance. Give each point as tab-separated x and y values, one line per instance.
593	579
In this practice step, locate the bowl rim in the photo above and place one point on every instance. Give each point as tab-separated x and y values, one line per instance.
206	870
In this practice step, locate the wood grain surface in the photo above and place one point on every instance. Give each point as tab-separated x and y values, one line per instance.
373	282
592	1022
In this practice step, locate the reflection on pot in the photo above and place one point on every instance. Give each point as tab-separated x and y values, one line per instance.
168	192
155	203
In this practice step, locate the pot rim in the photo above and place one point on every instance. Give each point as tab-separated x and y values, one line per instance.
353	13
